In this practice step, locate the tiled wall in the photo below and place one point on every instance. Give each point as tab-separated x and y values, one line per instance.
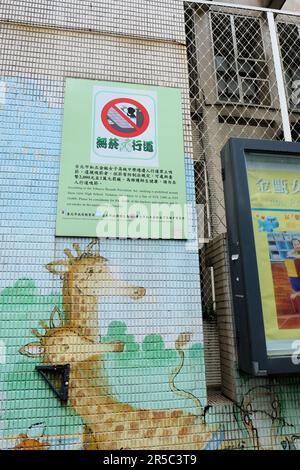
30	151
34	63
157	19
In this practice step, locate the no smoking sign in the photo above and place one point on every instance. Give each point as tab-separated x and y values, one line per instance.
124	127
125	117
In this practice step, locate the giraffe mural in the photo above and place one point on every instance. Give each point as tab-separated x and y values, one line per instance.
86	278
110	424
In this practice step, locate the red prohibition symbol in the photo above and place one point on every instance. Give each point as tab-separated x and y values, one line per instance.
129	119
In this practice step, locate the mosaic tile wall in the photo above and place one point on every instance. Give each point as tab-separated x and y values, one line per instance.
30	149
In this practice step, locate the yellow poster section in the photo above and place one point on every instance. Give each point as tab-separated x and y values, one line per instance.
275	194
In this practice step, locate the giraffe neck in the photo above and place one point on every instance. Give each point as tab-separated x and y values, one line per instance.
91	398
111	425
81	312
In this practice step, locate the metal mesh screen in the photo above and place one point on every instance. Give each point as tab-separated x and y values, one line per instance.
233	92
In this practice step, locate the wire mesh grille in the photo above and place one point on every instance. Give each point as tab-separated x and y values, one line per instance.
233	92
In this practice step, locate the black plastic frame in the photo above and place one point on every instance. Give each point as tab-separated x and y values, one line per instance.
248	313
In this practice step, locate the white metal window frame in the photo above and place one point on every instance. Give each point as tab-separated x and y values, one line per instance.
241	101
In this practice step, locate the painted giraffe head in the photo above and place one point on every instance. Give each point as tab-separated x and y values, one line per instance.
87	273
64	345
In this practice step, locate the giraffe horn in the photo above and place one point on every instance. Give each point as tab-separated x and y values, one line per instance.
90	246
68	254
57	267
36	333
44	325
77	248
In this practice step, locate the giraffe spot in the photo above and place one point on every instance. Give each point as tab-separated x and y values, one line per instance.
167	432
134	426
150	433
142	415
189	421
183	431
119	428
159	415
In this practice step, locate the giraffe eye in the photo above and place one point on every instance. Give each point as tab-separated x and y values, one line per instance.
275	404
247	420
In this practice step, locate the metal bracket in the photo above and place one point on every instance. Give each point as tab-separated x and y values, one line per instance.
57	377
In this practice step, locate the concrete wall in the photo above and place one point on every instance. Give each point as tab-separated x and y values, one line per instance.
292	5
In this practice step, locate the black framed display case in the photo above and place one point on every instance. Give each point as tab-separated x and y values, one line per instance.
262	199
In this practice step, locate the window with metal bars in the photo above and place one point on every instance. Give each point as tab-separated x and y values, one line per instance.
240	63
289	38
